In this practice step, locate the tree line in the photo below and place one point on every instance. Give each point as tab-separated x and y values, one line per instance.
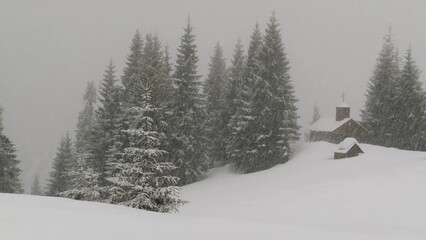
161	127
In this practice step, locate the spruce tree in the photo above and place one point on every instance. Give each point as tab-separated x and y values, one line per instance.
215	88
274	127
35	188
108	116
379	115
140	179
86	120
59	180
9	169
131	94
155	68
240	146
232	95
410	107
187	125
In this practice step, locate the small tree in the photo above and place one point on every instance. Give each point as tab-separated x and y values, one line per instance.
84	184
86	119
59	179
35	188
316	115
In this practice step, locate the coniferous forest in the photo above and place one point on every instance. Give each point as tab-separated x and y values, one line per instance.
159	126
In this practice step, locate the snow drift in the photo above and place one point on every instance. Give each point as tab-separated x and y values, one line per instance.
378	195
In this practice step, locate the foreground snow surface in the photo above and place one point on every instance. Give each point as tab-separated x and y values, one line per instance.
379	195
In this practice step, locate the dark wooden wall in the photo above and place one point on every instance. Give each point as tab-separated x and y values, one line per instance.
349	129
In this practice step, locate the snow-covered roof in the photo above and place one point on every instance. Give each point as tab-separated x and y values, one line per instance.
344	105
327	124
347	144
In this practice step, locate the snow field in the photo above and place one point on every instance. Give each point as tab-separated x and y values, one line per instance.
378	195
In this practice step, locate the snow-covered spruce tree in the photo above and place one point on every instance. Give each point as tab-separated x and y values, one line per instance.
316	114
155	71
236	83
132	72
410	107
84	184
379	115
188	141
274	127
106	130
131	94
140	179
59	180
215	88
86	120
239	148
36	188
9	169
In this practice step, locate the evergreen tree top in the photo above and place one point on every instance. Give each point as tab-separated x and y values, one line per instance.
238	57
108	82
109	75
152	56
217	63
186	61
410	71
273	51
133	60
65	148
65	143
86	118
255	44
89	96
136	46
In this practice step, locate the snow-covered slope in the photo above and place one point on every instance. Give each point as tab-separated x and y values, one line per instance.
379	195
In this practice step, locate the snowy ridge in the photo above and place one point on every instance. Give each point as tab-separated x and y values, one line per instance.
379	195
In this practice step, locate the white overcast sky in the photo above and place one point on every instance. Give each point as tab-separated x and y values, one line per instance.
50	49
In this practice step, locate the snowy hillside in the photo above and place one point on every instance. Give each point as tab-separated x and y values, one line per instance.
379	195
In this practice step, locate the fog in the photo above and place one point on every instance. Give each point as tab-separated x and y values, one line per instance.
50	49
